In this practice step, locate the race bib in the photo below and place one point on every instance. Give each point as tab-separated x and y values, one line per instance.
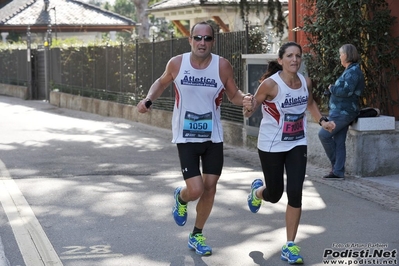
197	126
293	127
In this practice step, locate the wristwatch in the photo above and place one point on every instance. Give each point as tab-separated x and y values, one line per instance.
148	103
323	118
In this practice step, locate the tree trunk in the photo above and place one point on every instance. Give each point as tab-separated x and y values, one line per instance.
142	16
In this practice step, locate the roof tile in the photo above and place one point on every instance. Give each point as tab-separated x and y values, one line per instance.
61	12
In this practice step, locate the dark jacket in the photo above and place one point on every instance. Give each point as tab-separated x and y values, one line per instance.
345	93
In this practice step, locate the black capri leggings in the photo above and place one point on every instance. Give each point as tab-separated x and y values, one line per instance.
273	164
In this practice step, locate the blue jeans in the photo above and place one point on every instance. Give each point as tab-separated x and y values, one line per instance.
334	142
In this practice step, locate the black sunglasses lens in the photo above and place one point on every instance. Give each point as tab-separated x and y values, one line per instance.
206	38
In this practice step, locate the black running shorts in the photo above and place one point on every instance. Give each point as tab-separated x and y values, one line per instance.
209	153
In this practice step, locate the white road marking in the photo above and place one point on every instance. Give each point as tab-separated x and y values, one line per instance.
33	243
94	256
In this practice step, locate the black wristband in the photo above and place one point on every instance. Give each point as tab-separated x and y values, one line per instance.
148	103
323	118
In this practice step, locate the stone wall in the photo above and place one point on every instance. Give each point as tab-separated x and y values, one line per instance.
14	91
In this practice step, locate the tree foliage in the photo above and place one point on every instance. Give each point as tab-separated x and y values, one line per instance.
275	9
125	8
363	23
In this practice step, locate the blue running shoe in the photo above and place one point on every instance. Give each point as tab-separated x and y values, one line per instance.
290	253
179	210
197	242
254	203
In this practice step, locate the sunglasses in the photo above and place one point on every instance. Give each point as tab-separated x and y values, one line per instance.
199	38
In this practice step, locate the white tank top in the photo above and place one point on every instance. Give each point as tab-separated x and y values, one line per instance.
283	125
199	94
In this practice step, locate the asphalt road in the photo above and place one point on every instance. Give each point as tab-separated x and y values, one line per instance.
78	189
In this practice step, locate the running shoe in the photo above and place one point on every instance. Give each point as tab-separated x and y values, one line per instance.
179	210
290	253
197	242
254	203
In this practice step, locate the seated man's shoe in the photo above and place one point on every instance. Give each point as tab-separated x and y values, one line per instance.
331	176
